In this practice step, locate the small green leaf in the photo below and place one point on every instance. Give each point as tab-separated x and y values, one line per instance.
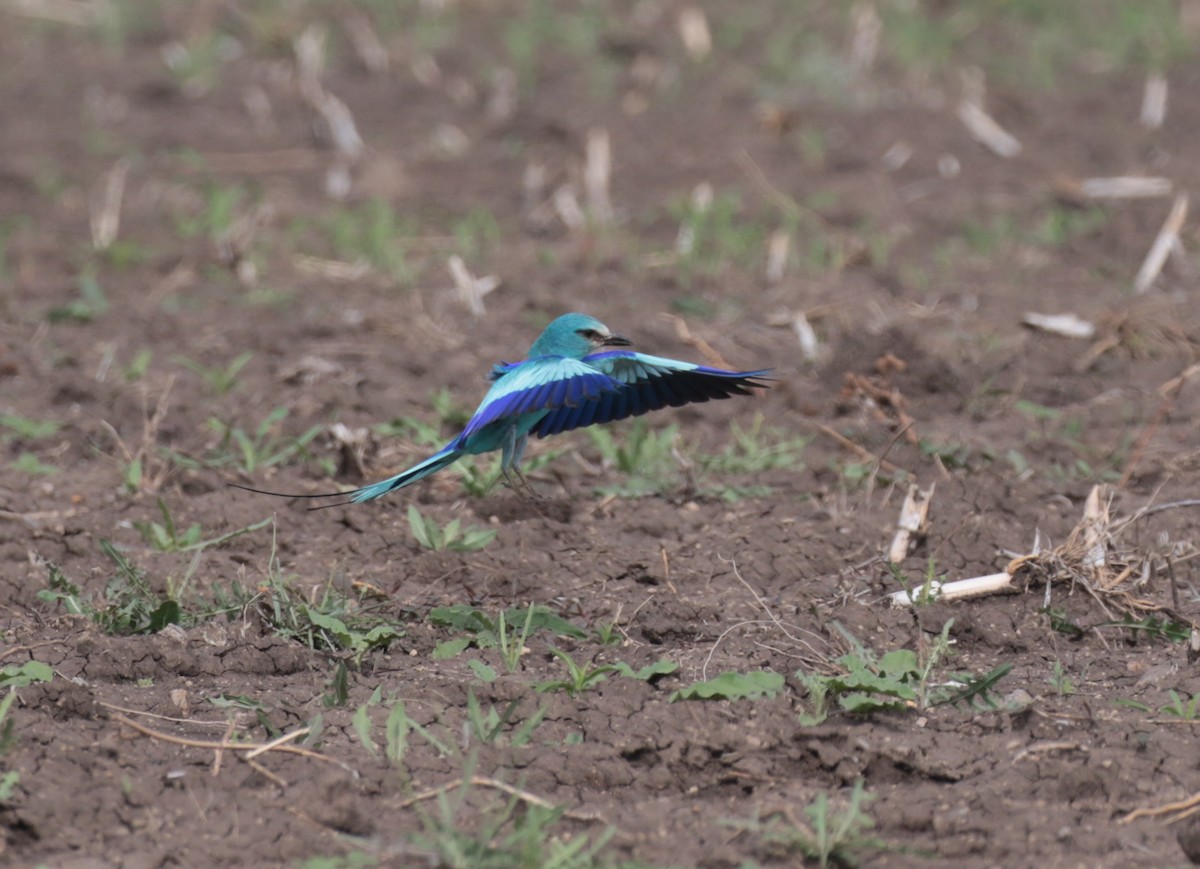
18	676
28	429
338	692
733	686
396	730
419	528
167	613
362	727
30	464
451	648
8	784
482	670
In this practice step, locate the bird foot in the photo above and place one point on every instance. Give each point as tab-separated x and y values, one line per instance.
520	485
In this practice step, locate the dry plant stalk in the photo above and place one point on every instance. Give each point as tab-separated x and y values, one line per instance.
566	205
778	247
707	350
807	336
106	215
597	175
1168	237
336	120
984	128
864	41
1154	101
879	398
694	32
1067	325
1090	559
471	289
701	202
1121	187
913	521
76	13
366	42
253	749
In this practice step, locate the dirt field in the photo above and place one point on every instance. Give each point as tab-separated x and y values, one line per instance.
226	235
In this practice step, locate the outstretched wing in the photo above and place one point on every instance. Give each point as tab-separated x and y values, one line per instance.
543	383
645	383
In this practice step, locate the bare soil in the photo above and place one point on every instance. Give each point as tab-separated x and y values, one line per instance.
1014	426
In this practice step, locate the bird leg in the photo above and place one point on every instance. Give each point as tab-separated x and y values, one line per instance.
529	490
510	456
517	454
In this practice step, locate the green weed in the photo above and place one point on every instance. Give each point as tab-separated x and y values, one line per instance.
830	836
579	678
516	834
714	233
196	63
263	448
928	590
374	233
129	604
166	537
1063	685
487	725
27	429
897	679
219	379
28	463
215	218
733	686
138	367
15	676
329	620
453	537
476	235
755	449
8	740
487	633
646	456
91	304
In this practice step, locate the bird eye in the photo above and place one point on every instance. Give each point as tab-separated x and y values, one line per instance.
590	334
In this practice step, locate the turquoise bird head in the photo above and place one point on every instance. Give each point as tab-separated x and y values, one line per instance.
575	336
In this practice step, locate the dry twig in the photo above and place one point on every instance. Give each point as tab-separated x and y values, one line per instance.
1167	238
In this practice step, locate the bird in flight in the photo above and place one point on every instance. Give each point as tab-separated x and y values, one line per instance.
577	374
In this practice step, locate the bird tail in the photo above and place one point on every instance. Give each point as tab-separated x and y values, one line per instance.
439	460
446	457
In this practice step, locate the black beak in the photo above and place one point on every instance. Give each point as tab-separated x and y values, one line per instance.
616	341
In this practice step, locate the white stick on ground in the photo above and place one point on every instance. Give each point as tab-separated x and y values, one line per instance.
914	517
366	42
864	43
1126	187
976	586
1167	237
1154	101
694	32
566	205
597	174
471	289
778	246
806	335
986	130
702	199
1067	325
106	218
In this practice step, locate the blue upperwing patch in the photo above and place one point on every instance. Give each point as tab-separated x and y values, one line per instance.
541	383
646	383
